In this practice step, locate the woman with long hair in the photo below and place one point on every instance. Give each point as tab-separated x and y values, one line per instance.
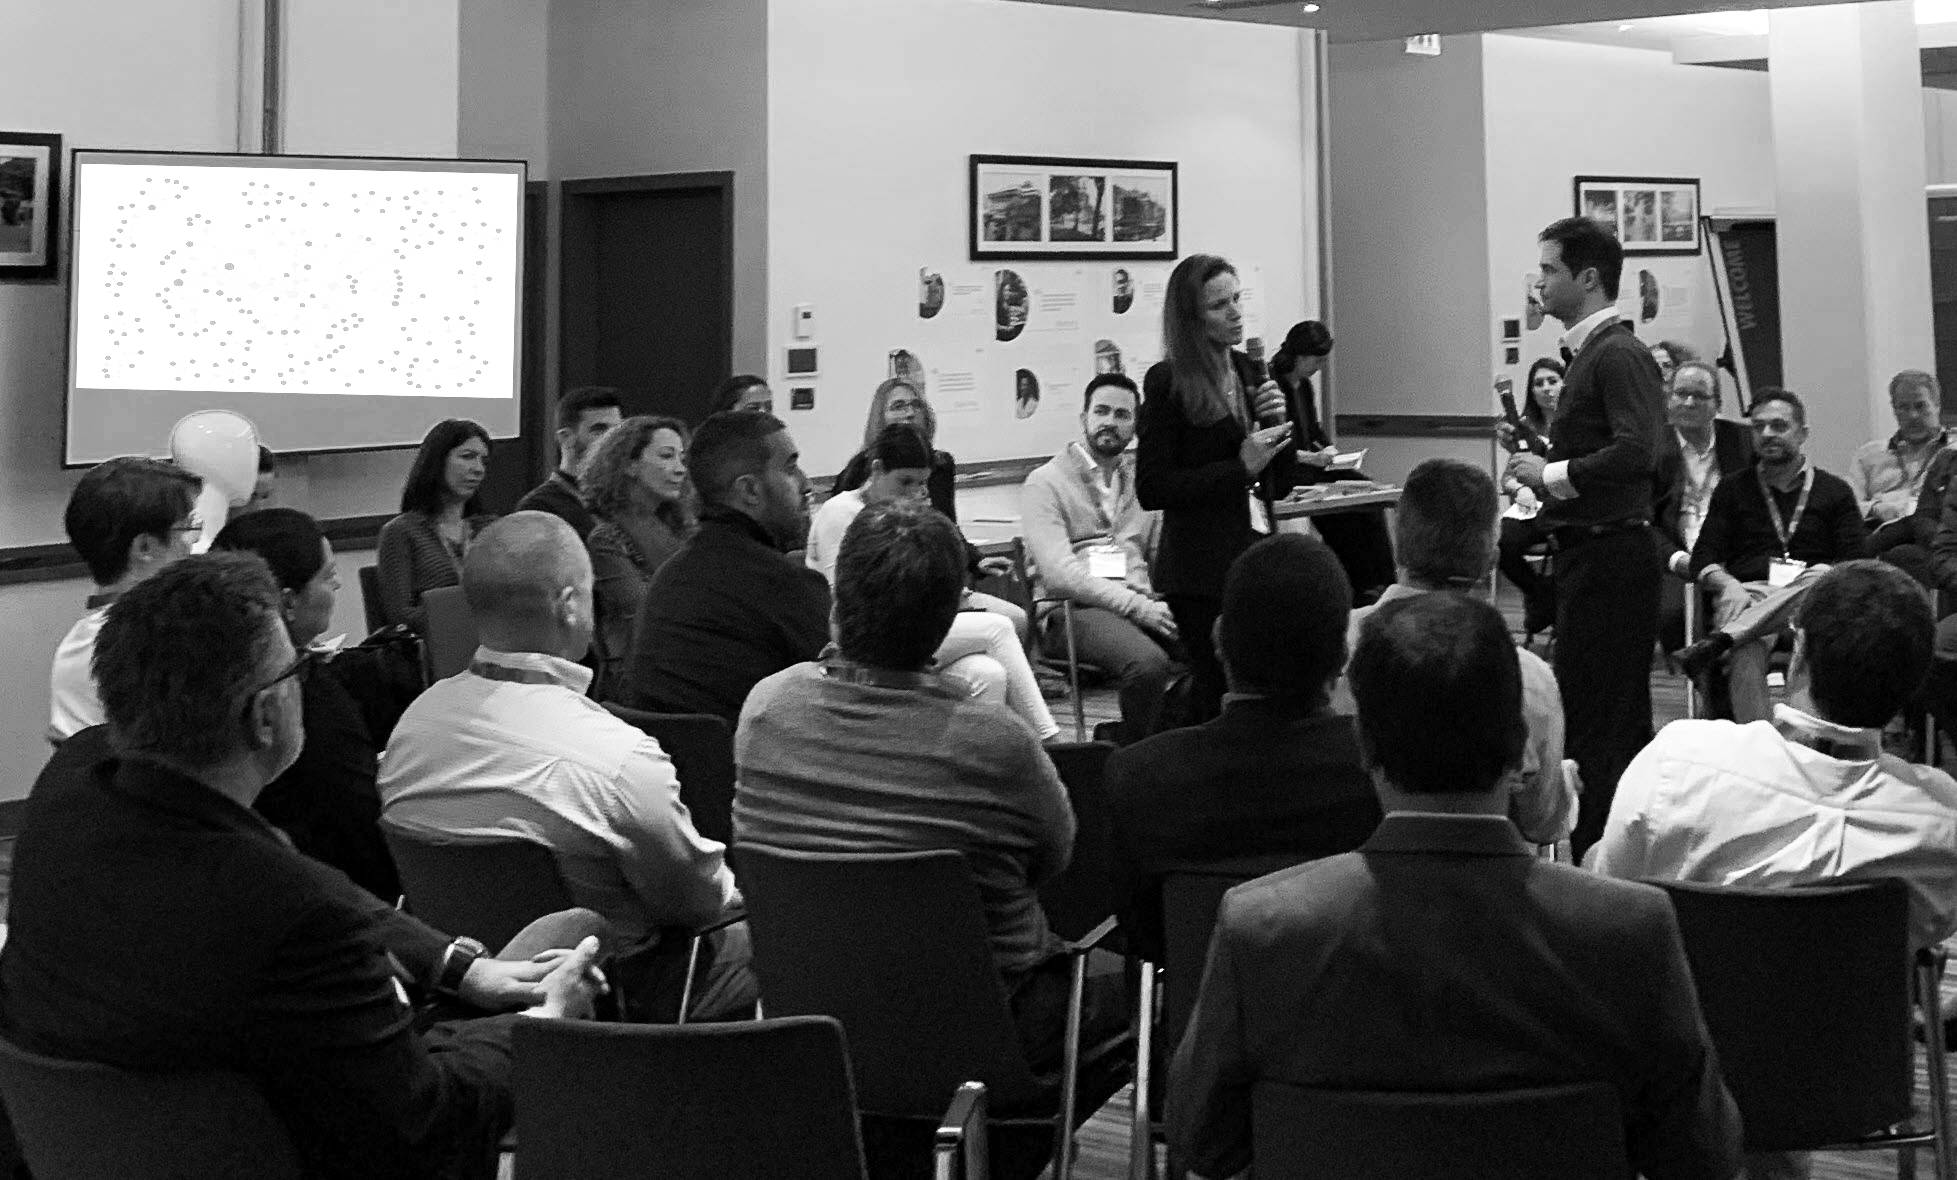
635	483
744	393
1215	450
1520	530
422	549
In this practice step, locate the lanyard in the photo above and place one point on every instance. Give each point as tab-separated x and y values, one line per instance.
1785	529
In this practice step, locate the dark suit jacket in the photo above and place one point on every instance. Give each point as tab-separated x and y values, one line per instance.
1193	475
1607	426
1443	956
1732	449
1936	515
1266	783
156	924
559	496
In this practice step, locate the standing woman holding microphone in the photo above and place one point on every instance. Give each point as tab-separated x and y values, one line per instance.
1214	451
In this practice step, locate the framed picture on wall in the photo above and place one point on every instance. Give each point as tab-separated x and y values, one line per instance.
30	189
1060	209
1649	214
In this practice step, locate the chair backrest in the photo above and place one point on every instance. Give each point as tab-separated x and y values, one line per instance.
79	1120
487	889
1191	896
746	1101
450	632
1806	993
1553	1133
1078	899
701	746
895	946
370	598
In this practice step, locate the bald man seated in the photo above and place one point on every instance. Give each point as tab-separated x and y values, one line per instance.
513	749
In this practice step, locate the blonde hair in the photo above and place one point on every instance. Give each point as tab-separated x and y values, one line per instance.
927	418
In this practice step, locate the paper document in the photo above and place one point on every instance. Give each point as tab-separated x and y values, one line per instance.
1348	460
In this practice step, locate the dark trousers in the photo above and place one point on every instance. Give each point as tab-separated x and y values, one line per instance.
1538	589
1195	616
1136	660
1606	622
1363	545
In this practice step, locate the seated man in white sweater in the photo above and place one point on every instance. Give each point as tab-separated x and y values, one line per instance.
983	646
1091	543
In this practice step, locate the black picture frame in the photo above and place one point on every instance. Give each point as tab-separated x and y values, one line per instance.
1114	210
1651	215
30	204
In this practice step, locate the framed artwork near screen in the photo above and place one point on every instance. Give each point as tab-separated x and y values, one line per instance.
1649	214
30	191
1055	208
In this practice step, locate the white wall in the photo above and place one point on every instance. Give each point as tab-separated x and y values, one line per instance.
875	105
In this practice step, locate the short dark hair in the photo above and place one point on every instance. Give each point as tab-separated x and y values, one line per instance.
267	462
899	446
1774	393
286	538
120	500
1584	244
422	491
1444	527
1916	379
726	447
1102	381
573	403
1307	338
1281	629
1867	629
900	573
729	391
1439	694
178	654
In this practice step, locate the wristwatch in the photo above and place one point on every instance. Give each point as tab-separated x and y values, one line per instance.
456	960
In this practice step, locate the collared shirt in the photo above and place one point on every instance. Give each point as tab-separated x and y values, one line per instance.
1701	476
513	749
73	704
1556	476
826	529
1887	475
1758	805
1067	509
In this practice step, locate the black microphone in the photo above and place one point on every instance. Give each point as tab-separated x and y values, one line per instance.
1260	373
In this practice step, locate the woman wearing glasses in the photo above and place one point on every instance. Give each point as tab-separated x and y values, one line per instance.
326	801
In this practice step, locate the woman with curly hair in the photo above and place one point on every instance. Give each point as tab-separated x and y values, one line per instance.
635	483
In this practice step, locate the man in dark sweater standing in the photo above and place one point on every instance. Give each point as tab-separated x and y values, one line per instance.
1769	535
1595	487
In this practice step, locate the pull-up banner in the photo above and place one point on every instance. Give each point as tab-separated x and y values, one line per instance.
1746	276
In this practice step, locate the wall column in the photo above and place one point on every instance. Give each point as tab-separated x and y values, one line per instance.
1850	213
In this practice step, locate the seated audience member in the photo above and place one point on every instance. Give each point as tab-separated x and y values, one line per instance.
584	415
422	549
1275	779
870	750
157	923
128	518
981	646
326	799
1887	474
1441	956
743	393
1911	543
1671	355
1359	538
1520	529
1445	529
635	483
513	749
1699	451
730	607
265	489
1089	542
1767	537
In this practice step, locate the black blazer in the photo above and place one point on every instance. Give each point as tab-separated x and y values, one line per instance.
1193	475
1732	447
1608	424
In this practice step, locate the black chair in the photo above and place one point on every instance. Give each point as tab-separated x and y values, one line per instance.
745	1101
701	746
1552	1133
370	598
1071	664
449	641
487	889
1807	994
79	1120
1082	897
896	947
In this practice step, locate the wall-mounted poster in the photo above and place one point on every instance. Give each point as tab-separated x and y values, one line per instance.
1051	207
30	180
1650	215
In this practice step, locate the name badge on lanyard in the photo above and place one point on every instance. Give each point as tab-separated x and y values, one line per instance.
1782	570
1107	561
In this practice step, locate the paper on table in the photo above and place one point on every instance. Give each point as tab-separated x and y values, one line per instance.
1348	460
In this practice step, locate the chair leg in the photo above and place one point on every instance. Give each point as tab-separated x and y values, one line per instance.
1691	629
1063	1130
1141	1142
686	986
1928	996
1073	671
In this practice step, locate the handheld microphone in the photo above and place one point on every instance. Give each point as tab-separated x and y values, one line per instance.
1530	438
1260	373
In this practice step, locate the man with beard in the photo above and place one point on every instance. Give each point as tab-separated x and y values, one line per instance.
1090	543
1768	536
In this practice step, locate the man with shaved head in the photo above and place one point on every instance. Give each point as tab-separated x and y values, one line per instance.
511	748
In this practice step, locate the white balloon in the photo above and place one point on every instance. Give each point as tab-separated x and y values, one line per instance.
220	447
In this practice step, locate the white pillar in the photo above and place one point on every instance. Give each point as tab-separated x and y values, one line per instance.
1851	217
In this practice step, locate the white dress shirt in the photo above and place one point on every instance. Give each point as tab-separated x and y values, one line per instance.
1556	476
483	757
1728	804
73	704
826	531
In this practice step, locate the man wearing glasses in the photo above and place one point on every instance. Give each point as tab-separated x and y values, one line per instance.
127	518
1698	451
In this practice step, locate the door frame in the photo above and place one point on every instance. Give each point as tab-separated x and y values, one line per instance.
577	295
